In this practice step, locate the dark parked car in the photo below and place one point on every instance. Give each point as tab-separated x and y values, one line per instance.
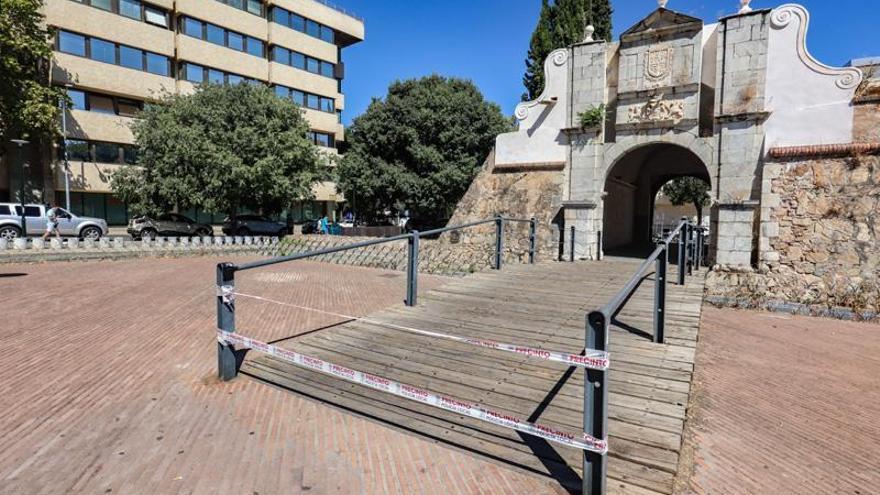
254	225
309	227
170	224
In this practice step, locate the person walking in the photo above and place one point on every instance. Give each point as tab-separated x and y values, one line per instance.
52	222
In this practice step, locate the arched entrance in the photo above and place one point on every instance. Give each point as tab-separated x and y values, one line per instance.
631	185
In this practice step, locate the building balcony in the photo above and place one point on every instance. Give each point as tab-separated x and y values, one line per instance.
95	126
208	54
92	21
324	122
349	29
107	78
303	43
286	75
225	16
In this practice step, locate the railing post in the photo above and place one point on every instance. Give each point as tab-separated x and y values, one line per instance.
412	269
682	251
533	239
660	295
571	246
690	249
595	405
499	240
699	256
598	244
226	365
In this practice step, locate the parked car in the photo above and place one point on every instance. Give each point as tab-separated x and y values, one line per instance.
254	225
309	227
168	224
69	225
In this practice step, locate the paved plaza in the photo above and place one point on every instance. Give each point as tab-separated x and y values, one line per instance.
108	386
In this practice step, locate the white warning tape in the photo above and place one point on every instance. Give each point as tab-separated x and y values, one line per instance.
593	359
585	442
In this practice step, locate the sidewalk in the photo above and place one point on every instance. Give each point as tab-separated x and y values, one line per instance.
784	405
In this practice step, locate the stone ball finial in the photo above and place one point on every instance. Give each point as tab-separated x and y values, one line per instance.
744	6
662	3
588	32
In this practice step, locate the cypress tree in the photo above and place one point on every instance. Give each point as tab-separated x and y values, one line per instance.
562	24
540	46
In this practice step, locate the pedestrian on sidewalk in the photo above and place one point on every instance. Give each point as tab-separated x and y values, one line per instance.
52	222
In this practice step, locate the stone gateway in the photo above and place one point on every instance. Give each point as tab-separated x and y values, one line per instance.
739	103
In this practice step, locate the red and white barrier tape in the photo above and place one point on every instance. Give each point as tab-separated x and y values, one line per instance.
593	359
586	442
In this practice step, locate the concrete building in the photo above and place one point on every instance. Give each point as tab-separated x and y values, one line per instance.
115	55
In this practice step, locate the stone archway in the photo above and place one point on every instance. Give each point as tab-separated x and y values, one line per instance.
631	185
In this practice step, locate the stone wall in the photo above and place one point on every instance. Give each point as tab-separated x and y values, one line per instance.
516	194
820	238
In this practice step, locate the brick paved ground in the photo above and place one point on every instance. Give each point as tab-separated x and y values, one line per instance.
785	405
107	386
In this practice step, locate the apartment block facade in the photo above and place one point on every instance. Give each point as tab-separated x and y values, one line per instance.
113	56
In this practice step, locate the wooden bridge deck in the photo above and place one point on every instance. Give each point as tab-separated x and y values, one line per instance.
540	305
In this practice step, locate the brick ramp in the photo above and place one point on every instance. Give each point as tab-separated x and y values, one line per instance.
541	306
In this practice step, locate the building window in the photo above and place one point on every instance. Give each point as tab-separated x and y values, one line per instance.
133	9
111	53
78	150
94	102
199	74
300	61
253	6
106	152
321	139
77	99
129	154
307	100
71	43
156	16
223	37
303	25
131	58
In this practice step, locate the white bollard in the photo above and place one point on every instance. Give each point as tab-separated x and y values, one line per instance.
145	242
72	243
184	242
172	242
89	243
20	243
118	243
274	240
56	243
219	241
248	240
38	243
239	240
207	240
228	240
104	243
4	244
196	241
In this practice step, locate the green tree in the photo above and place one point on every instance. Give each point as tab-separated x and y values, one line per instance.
561	24
419	148
220	149
689	190
28	104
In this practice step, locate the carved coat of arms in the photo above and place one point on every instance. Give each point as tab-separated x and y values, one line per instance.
658	63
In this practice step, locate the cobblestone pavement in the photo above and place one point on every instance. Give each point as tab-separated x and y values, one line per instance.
108	386
784	405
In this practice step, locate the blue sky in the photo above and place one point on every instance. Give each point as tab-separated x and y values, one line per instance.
486	40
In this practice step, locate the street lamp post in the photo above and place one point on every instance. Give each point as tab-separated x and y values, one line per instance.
20	143
64	144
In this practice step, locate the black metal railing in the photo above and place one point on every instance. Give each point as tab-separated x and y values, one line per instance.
690	239
227	366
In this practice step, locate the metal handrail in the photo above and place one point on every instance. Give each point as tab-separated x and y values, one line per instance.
596	338
611	307
319	252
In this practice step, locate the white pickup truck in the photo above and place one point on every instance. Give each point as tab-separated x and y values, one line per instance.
69	224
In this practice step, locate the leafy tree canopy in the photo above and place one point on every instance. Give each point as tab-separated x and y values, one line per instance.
560	24
220	149
419	148
689	190
28	105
